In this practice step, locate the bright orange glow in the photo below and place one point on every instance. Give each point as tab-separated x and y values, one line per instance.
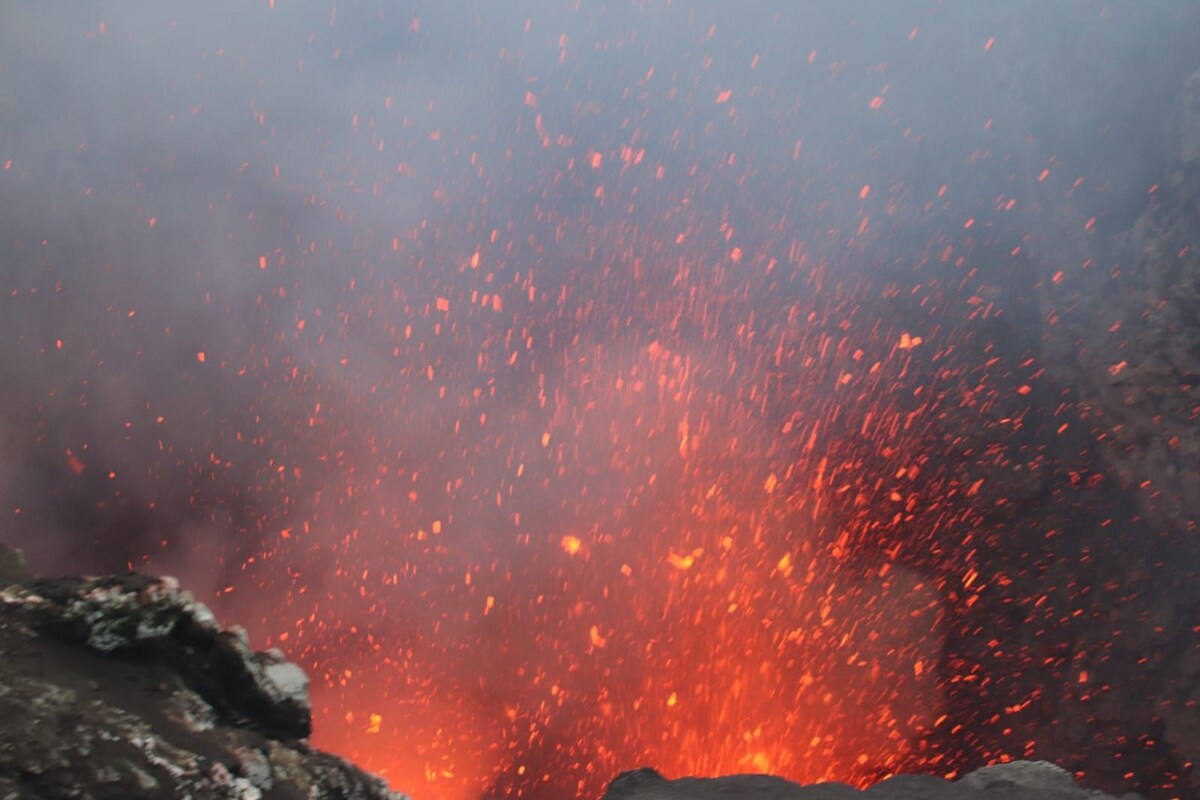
712	622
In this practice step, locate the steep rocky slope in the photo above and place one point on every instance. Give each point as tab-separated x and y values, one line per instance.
1127	339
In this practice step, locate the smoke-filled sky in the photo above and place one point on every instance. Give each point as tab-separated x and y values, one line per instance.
371	319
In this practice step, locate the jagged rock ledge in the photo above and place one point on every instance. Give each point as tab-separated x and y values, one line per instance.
126	687
1019	780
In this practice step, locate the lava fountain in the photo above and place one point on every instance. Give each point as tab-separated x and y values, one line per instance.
713	549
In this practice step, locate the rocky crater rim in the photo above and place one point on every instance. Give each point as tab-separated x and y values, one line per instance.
157	618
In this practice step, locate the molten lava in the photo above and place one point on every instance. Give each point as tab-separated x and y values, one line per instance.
708	541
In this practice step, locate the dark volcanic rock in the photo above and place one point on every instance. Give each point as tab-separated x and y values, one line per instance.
1128	337
127	688
1129	342
1121	337
1020	780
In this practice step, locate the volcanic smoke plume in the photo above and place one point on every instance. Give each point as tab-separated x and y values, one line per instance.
576	386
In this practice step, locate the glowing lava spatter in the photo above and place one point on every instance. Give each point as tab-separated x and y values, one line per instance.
753	445
572	393
654	523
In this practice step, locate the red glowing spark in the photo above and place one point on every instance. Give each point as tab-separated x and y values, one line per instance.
763	471
596	639
75	464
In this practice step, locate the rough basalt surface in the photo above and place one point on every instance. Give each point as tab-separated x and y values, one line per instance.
1096	639
1127	339
126	687
1127	335
1019	780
